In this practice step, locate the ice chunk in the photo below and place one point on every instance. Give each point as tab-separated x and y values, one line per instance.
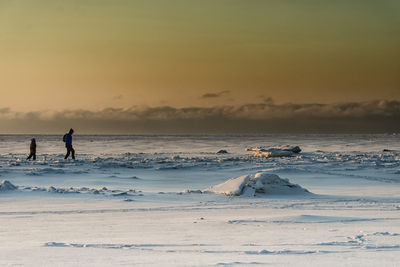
7	186
260	183
279	151
232	187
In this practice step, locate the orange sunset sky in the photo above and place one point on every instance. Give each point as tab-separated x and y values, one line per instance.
124	60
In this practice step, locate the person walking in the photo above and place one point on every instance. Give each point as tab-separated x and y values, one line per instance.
68	144
32	148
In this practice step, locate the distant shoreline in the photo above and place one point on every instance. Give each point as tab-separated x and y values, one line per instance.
210	135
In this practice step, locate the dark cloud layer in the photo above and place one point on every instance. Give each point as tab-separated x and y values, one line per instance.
355	117
215	95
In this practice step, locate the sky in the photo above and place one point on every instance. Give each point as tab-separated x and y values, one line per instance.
63	62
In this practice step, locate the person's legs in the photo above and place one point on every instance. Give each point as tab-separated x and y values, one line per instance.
34	156
29	157
68	151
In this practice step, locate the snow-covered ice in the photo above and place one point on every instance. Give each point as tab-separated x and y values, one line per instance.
7	186
172	201
258	184
278	151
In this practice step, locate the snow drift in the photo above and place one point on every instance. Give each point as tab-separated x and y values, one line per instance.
279	151
258	184
6	185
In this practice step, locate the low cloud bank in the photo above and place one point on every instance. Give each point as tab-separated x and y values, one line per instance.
215	95
356	117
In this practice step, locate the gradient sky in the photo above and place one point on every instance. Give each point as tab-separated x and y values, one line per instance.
93	54
204	66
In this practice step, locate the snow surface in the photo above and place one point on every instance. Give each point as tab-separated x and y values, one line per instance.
139	200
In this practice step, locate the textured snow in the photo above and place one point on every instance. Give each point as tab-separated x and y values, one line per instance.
123	202
7	186
232	187
258	184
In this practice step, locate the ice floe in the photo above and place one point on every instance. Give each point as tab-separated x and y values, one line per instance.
7	186
279	151
374	165
253	185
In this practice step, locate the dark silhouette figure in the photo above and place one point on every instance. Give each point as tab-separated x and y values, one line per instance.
32	148
68	144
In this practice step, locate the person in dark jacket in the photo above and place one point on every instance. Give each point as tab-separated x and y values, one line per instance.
68	144
32	148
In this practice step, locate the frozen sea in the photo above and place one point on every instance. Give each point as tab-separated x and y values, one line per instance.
133	200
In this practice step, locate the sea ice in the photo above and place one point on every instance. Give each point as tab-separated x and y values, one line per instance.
84	212
7	186
260	183
279	151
